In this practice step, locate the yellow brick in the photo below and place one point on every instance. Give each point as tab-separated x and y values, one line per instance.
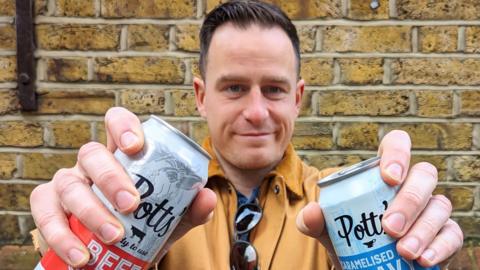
466	168
140	70
312	135
361	10
44	166
438	10
149	8
306	34
101	134
20	133
8	66
456	136
67	70
10	229
360	102
75	8
19	257
143	101
199	131
7	37
437	71
74	102
367	39
300	10
316	71
437	38
9	101
469	225
330	161
306	109
358	136
7	7
462	198
361	71
148	37
78	37
195	68
184	103
472	36
187	37
40	7
434	103
310	9
8	165
470	103
70	134
440	162
15	196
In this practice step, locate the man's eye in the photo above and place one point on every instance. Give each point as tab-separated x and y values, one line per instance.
234	88
272	90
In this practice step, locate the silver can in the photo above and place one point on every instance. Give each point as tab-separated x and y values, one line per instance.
353	201
168	173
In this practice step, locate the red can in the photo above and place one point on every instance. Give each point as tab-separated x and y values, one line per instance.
168	173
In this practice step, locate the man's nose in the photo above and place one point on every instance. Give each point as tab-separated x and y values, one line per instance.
256	107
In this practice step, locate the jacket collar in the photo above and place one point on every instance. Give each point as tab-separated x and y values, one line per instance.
289	170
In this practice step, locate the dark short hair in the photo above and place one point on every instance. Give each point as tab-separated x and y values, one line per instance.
243	13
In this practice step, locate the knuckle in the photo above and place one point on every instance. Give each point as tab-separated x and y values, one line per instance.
55	239
86	212
443	202
38	192
412	198
427	168
106	177
68	184
47	218
89	148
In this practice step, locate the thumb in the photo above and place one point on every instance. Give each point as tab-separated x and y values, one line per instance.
310	220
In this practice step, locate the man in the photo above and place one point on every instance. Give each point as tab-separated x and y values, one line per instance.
250	94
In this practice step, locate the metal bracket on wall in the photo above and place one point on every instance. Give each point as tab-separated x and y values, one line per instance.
25	55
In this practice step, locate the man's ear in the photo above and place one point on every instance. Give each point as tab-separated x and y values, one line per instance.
299	94
199	86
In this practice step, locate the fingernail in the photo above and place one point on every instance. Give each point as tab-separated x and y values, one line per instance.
109	232
395	172
125	200
395	222
300	223
411	244
429	255
128	139
75	256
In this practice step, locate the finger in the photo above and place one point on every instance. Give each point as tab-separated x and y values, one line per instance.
447	242
77	195
200	211
310	220
124	131
410	200
394	151
53	225
109	176
425	228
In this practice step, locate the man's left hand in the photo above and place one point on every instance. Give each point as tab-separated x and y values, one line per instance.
419	220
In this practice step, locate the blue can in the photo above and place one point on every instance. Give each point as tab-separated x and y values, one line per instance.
353	201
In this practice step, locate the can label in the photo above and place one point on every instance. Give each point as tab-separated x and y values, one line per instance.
167	177
353	208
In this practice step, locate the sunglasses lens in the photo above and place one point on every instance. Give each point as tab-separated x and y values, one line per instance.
248	216
243	256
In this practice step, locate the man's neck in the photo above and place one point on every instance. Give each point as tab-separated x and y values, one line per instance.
244	180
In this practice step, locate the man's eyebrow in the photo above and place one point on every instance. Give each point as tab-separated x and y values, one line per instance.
265	79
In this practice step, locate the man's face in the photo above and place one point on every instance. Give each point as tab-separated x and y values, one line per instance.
250	96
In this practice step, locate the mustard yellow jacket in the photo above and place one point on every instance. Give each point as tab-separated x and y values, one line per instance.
279	244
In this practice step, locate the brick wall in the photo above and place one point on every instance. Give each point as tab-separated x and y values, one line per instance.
411	65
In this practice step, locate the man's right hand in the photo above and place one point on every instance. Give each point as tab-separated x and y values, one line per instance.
70	192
